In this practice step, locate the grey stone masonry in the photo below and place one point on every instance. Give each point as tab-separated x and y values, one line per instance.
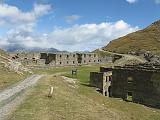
137	83
102	81
61	58
141	82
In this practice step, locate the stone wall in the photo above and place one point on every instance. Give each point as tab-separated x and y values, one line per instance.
96	79
60	58
65	59
102	81
138	83
105	59
28	58
142	84
105	69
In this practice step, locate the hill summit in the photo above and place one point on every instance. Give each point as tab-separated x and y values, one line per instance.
147	39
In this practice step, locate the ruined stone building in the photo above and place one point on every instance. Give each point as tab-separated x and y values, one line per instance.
64	59
60	58
137	83
28	58
102	80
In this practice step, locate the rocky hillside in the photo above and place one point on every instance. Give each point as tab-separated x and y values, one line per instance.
10	65
3	53
147	39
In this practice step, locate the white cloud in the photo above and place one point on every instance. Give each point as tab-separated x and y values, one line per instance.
72	18
157	1
3	42
24	37
40	9
131	1
14	15
21	25
89	36
78	37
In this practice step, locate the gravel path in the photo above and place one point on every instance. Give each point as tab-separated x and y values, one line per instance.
13	96
126	57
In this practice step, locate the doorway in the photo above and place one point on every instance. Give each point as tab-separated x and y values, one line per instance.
129	96
109	91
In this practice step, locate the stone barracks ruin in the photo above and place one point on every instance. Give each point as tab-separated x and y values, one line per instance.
137	83
60	58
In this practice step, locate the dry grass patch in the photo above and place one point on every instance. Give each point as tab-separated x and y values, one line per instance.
8	78
67	103
78	103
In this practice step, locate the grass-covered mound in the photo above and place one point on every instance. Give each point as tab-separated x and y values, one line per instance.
147	39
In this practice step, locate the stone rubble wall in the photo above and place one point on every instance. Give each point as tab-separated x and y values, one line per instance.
59	59
143	82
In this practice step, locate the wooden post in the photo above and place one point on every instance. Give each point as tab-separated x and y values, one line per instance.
50	92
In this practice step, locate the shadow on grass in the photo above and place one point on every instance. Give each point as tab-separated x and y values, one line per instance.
86	84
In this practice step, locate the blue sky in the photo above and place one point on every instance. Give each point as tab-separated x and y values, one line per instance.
72	24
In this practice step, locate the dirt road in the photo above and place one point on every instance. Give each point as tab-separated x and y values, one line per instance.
14	95
126	57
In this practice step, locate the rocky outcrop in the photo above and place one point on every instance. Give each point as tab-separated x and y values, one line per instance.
13	65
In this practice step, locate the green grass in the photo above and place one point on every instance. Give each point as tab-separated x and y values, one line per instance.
131	111
8	78
143	40
83	73
69	68
77	101
53	70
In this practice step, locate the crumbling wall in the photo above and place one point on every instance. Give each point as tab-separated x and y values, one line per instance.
118	83
101	80
143	84
104	59
58	59
41	62
26	58
90	58
147	88
96	80
105	69
65	59
43	56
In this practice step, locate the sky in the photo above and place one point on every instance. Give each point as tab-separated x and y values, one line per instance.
72	25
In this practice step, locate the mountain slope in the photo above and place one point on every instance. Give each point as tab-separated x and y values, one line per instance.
19	48
147	39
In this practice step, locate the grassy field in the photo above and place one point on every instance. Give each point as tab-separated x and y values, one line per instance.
77	101
8	78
